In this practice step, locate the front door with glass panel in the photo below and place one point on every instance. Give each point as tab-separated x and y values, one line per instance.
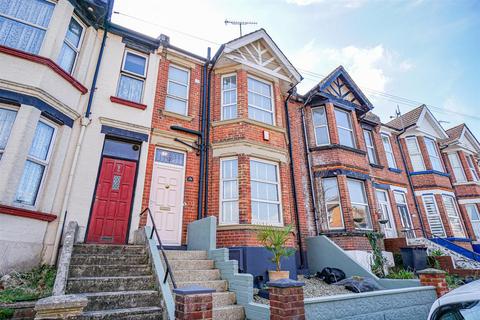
166	196
405	218
388	224
474	215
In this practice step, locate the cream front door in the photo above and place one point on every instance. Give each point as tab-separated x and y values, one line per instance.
166	197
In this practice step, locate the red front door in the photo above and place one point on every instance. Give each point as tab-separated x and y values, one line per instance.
113	201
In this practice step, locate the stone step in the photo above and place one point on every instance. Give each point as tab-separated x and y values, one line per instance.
106	284
108	249
234	312
143	313
218	285
186	255
103	259
122	300
86	270
189	265
196	275
222	299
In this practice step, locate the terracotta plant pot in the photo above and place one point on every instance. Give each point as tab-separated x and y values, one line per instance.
277	275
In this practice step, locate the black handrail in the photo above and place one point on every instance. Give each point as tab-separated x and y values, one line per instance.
154	230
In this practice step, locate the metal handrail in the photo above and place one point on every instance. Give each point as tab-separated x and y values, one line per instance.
154	230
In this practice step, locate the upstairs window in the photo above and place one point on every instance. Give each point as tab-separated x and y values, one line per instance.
415	154
229	97
388	151
358	200
433	154
36	164
177	90
345	128
320	126
23	23
331	198
229	191
71	46
265	193
260	105
372	153
471	166
132	77
457	167
7	117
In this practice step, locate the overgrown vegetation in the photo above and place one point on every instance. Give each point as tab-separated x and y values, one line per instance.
378	260
400	273
274	240
454	281
6	313
26	286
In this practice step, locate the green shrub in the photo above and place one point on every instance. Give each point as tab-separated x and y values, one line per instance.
453	281
436	253
6	313
274	240
399	273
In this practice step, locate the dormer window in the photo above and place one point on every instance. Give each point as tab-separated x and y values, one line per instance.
320	126
260	104
344	128
433	154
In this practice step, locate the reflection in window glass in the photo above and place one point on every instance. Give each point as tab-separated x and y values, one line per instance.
229	97
344	127
264	192
332	203
229	193
177	93
260	105
358	199
7	117
469	310
320	126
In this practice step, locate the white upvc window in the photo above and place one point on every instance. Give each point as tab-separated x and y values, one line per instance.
457	167
71	46
471	166
333	206
387	146
7	118
229	96
229	191
177	90
358	200
433	216
405	217
415	154
36	165
23	23
344	128
385	208
132	77
453	216
265	192
474	216
433	154
260	102
320	126
371	152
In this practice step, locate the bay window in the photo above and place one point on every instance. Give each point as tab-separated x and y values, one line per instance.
265	193
371	152
229	191
320	126
471	166
405	218
177	90
23	23
415	154
453	216
433	154
36	164
433	215
71	46
457	167
344	128
359	203
7	117
260	104
387	146
331	197
132	77
229	97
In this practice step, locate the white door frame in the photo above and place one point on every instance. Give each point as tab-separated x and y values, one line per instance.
390	217
156	166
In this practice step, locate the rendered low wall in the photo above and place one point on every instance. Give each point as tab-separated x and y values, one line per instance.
397	304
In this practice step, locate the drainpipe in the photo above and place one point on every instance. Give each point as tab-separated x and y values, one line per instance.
85	121
292	179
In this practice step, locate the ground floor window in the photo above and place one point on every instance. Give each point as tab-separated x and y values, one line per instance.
358	200
331	197
386	212
474	216
265	195
405	217
7	117
229	191
433	216
453	216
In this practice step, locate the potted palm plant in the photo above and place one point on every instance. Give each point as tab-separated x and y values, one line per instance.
274	240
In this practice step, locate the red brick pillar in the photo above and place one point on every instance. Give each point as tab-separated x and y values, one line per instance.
193	303
434	278
286	300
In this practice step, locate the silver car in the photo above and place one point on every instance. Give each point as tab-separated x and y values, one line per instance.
462	303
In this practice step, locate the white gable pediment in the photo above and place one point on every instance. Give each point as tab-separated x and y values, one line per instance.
429	125
467	141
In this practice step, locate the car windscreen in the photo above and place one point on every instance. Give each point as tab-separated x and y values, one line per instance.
469	310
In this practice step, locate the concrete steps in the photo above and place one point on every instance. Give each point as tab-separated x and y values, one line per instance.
194	268
117	280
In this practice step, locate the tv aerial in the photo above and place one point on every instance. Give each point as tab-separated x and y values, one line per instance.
239	23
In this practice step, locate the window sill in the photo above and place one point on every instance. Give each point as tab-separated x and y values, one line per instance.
253	226
343	233
439	173
338	146
20	212
128	103
177	115
377	166
395	170
248	121
467	183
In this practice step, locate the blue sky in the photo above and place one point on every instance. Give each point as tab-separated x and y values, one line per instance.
422	50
